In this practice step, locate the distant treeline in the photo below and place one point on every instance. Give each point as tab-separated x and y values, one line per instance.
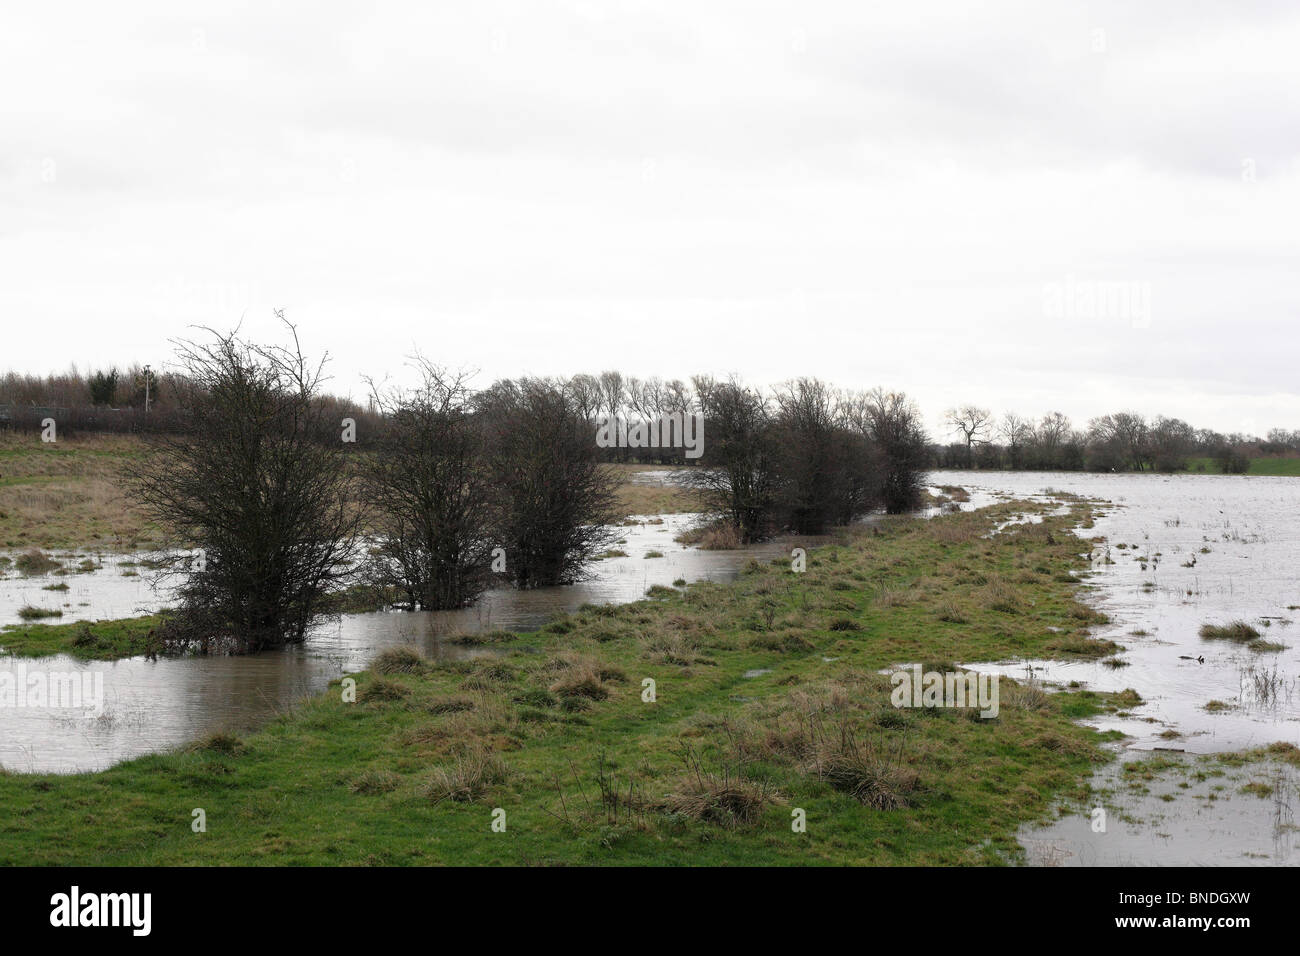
1122	441
113	400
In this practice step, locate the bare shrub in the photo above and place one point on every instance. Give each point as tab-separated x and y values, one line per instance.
259	482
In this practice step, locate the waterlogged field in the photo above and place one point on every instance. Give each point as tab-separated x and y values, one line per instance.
746	721
1169	555
771	702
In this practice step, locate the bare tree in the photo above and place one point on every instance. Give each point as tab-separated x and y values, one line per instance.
1172	442
893	424
1016	432
428	489
973	423
1120	440
737	478
259	483
555	499
824	475
587	396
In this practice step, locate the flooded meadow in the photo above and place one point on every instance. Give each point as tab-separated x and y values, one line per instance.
1167	555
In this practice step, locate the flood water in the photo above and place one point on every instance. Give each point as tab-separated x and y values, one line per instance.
150	706
1197	549
1184	551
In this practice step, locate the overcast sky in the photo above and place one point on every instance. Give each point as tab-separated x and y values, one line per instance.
1030	206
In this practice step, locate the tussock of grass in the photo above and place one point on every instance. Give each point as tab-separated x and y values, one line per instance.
382	689
375	781
894	597
35	561
29	613
1238	631
1002	596
470	777
221	742
953	613
1080	645
1024	697
585	678
873	775
723	797
398	660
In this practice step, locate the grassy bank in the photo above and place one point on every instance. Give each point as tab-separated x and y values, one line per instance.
768	702
97	640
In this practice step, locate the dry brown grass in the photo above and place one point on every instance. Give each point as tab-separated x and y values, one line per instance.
1000	595
718	535
399	660
71	494
585	677
818	731
872	773
724	796
467	778
644	499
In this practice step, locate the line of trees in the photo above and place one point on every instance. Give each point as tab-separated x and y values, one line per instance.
456	489
806	456
112	400
466	488
1121	441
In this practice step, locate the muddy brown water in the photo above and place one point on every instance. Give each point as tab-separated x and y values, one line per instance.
150	706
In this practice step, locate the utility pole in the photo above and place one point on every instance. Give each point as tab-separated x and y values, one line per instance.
147	376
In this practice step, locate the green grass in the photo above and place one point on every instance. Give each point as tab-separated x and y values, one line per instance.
1277	467
100	640
555	732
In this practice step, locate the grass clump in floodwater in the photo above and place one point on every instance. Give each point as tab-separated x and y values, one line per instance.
30	613
1238	631
35	561
593	765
